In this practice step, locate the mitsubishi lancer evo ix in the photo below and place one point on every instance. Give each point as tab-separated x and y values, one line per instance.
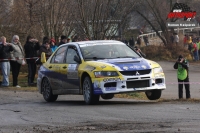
98	68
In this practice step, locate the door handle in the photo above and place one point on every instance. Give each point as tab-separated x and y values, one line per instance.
64	67
50	67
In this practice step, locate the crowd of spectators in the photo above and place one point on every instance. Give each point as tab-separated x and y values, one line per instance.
13	55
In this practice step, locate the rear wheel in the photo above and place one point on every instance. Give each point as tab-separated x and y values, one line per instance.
89	96
47	91
153	94
107	96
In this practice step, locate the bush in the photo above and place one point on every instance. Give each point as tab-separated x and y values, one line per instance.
170	52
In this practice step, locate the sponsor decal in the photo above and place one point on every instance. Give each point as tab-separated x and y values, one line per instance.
96	84
103	66
160	84
110	88
72	75
111	79
72	67
135	67
144	67
125	68
140	88
89	68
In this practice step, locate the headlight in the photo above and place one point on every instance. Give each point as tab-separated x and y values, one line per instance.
105	74
158	70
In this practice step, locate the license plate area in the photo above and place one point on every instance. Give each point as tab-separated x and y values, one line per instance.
137	84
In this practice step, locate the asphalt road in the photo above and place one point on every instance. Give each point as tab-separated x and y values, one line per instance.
27	112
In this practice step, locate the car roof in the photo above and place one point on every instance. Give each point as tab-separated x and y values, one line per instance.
95	42
99	41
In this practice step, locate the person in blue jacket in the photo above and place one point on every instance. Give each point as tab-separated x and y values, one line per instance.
53	45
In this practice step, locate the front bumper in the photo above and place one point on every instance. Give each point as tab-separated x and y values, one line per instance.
128	84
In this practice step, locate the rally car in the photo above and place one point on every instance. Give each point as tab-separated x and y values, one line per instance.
98	68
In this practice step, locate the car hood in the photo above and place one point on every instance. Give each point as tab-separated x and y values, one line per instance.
123	64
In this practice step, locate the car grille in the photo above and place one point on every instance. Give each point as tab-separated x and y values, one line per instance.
137	84
131	73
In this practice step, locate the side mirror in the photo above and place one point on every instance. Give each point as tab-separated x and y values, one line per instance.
77	59
43	58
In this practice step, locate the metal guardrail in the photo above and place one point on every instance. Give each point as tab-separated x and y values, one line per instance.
154	34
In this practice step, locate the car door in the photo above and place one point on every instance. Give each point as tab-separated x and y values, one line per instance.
56	65
71	80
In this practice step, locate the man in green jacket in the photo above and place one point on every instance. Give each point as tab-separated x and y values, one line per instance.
182	67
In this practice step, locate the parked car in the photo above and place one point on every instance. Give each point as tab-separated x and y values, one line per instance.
98	68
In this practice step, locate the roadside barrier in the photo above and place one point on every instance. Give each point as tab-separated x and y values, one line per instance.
21	58
197	83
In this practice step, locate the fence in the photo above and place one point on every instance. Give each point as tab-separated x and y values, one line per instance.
154	34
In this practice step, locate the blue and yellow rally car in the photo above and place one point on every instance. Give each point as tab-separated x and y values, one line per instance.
98	68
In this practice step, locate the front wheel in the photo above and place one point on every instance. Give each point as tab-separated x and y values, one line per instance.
89	96
47	91
153	94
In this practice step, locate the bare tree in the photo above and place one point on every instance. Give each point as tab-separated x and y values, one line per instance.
98	19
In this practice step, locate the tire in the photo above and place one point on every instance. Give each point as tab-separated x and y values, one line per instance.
107	96
153	94
89	97
47	91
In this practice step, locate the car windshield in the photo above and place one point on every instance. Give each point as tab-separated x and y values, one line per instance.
107	51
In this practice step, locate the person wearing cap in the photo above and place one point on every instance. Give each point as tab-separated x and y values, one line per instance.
139	52
53	45
63	40
182	67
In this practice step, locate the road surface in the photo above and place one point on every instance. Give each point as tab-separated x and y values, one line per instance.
27	112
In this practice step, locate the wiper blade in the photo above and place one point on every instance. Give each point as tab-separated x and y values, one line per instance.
95	58
125	57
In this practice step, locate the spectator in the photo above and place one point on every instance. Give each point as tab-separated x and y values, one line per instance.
5	50
189	42
146	40
172	38
63	40
0	61
44	38
139	41
68	40
46	48
185	40
182	67
195	52
131	42
75	38
198	46
53	45
125	41
31	47
139	52
176	38
17	53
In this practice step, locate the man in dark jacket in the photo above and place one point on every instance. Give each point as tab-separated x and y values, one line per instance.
131	42
182	73
63	40
31	47
5	50
46	48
